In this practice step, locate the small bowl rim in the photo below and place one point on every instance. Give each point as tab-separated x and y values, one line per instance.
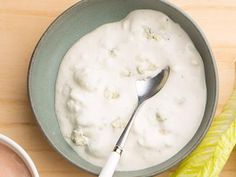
21	152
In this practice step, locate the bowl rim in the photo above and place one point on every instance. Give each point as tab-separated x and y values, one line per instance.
21	152
197	141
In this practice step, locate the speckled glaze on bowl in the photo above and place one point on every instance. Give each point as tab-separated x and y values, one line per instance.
77	21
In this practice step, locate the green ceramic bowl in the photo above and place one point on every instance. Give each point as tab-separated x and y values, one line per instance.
74	23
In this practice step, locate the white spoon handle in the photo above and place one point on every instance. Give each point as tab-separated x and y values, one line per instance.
114	158
110	166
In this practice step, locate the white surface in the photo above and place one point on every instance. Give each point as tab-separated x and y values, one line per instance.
21	152
96	93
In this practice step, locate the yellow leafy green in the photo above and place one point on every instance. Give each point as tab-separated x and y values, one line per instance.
209	158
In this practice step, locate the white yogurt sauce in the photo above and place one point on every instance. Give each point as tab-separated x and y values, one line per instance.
96	93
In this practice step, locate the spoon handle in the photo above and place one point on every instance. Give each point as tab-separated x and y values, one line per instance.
110	165
124	135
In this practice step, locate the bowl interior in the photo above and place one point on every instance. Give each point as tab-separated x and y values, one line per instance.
80	19
21	153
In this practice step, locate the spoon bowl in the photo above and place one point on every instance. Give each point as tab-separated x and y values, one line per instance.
149	87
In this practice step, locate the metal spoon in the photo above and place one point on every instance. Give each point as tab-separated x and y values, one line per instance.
145	90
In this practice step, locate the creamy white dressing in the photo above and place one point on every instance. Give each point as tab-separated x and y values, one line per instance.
96	93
